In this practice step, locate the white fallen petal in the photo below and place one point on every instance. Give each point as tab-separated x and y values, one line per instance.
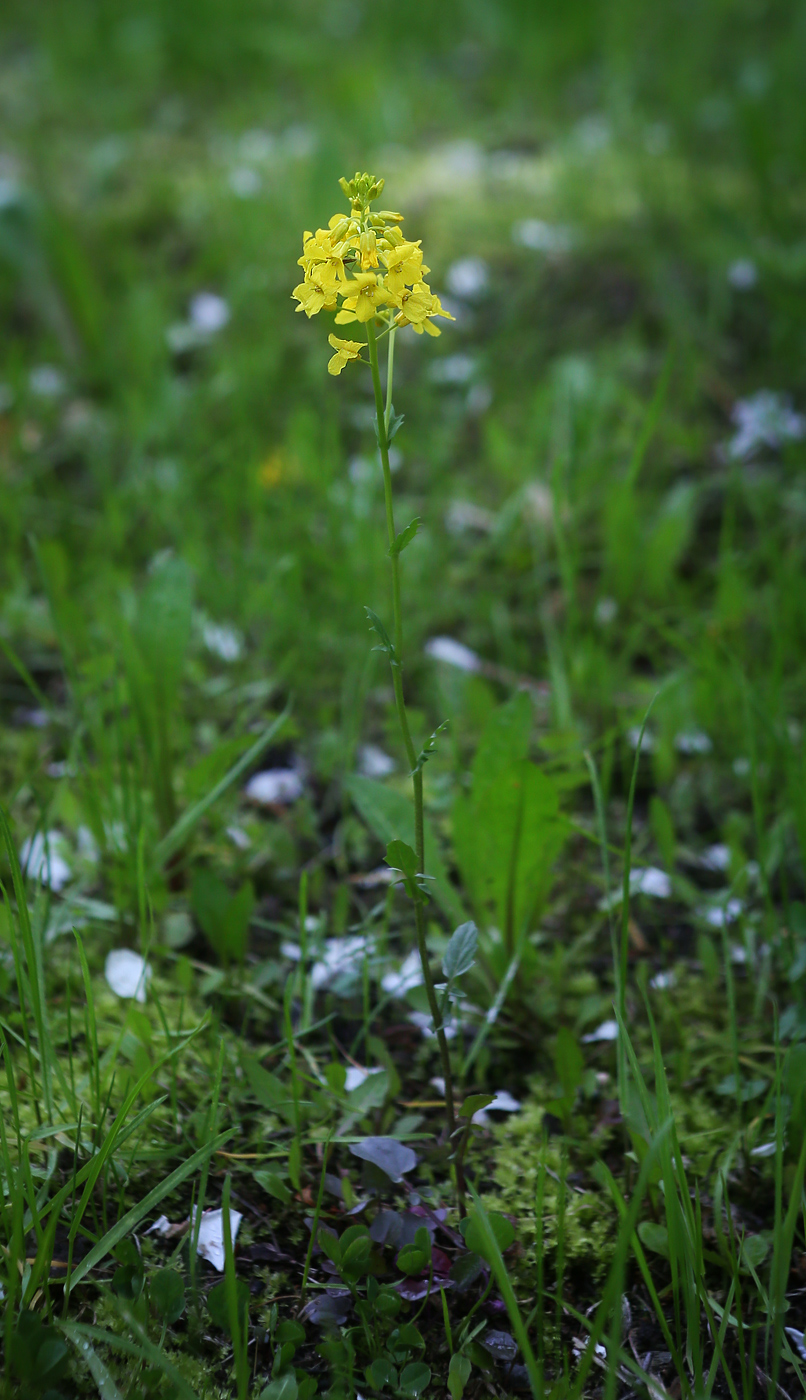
798	1340
502	1102
356	1076
42	858
662	980
764	1149
651	881
340	957
239	837
161	1226
374	763
422	1020
410	975
648	744
274	786
211	1235
607	1031
453	653
127	973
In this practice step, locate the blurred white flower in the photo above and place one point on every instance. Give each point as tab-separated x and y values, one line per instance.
410	975
541	237
222	640
606	611
766	419
452	369
453	653
42	857
462	516
651	881
374	763
716	857
340	957
503	1102
648	743
275	786
720	915
478	400
208	313
693	741
607	1031
127	973
47	382
662	981
357	1075
422	1020
743	274
244	181
468	278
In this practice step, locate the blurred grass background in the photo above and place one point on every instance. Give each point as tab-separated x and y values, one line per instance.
607	164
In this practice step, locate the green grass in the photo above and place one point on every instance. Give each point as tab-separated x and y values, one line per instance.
638	1226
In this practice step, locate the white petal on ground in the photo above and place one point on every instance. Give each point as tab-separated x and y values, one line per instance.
542	237
648	743
340	957
453	653
692	741
662	980
410	975
722	914
239	838
42	858
743	274
422	1020
161	1226
503	1102
798	1340
607	1031
651	881
374	763
211	1235
208	313
223	641
356	1075
274	786
127	973
766	419
468	278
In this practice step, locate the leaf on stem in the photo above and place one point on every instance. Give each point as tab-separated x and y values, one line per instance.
386	643
405	537
429	747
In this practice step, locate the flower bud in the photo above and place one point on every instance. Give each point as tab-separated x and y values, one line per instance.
390	216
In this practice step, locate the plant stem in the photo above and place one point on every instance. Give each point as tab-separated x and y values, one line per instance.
382	415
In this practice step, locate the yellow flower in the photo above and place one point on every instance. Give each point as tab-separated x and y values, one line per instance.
417	305
313	298
368	250
363	294
323	261
404	266
346	350
271	471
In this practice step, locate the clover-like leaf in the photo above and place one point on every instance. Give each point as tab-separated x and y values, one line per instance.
387	1154
167	1293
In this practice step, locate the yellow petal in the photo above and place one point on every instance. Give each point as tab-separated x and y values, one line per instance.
336	364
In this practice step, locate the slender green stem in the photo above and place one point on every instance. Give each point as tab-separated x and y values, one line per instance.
390	374
382	415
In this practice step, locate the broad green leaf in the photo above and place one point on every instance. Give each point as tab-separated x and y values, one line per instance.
507	830
655	1237
414	1378
269	1091
167	1293
411	1259
474	1103
458	1374
389	813
281	1388
569	1063
273	1183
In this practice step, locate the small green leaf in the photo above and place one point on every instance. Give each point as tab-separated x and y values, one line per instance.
474	1238
474	1103
405	537
330	1245
281	1388
401	857
167	1293
414	1378
428	748
273	1183
386	643
411	1260
458	1374
290	1331
295	1163
218	1306
380	1373
460	953
355	1258
655	1237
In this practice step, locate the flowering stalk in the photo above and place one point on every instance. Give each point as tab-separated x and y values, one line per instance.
386	288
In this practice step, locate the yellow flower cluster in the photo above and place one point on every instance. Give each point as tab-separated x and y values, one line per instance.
364	259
